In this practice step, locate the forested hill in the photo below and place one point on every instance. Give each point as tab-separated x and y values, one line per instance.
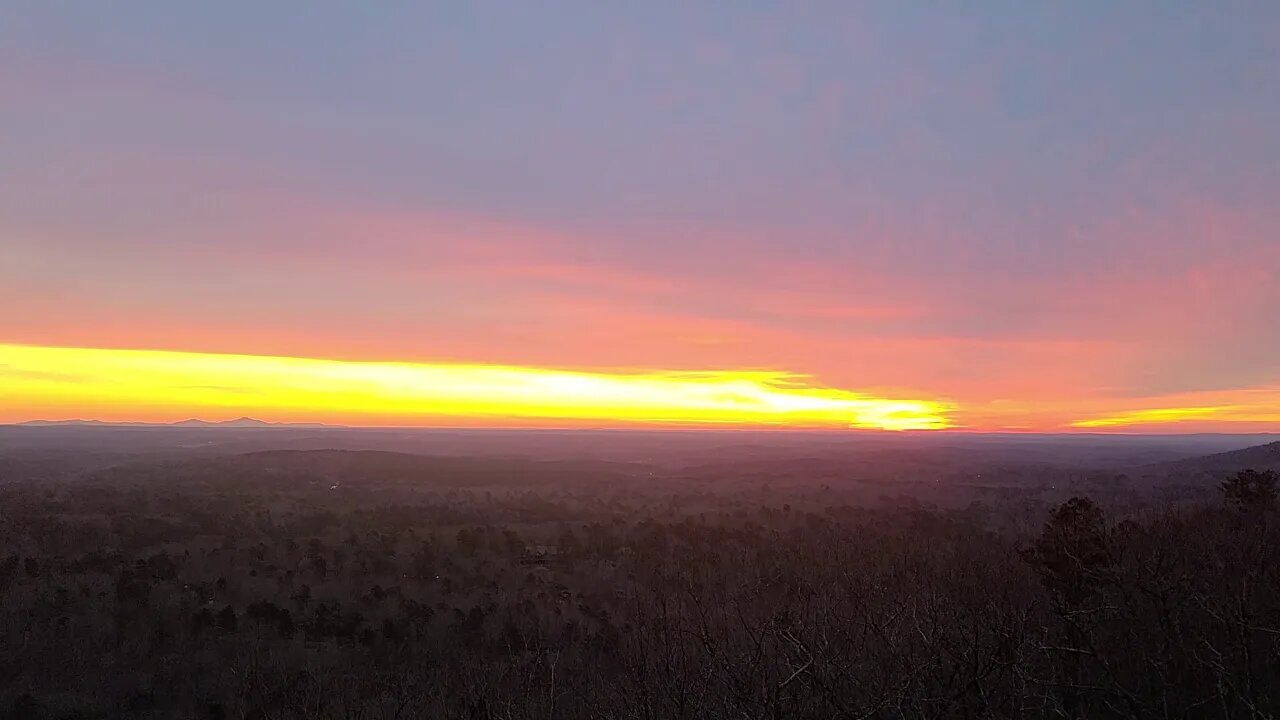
287	468
1259	457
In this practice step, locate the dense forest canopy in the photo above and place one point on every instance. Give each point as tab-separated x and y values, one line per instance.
377	584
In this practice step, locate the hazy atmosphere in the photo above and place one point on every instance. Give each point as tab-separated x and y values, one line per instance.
1032	215
639	361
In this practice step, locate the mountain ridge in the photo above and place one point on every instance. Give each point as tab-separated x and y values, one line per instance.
1256	457
240	423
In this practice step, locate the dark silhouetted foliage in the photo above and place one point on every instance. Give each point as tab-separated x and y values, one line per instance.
234	590
1251	490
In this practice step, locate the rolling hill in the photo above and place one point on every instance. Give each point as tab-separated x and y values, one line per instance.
1258	457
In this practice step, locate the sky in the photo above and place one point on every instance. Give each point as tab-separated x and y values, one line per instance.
1055	216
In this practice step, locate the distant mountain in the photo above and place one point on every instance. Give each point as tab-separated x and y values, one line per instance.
52	423
1258	457
243	423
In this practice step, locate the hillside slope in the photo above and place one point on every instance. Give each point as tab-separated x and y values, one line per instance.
1259	457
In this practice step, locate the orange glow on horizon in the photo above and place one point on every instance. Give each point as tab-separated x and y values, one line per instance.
1155	416
1221	414
65	382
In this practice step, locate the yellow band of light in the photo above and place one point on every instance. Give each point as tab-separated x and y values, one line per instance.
67	382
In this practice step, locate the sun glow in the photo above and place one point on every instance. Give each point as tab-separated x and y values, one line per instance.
149	384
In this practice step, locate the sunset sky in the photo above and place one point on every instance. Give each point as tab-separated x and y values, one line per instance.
987	216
